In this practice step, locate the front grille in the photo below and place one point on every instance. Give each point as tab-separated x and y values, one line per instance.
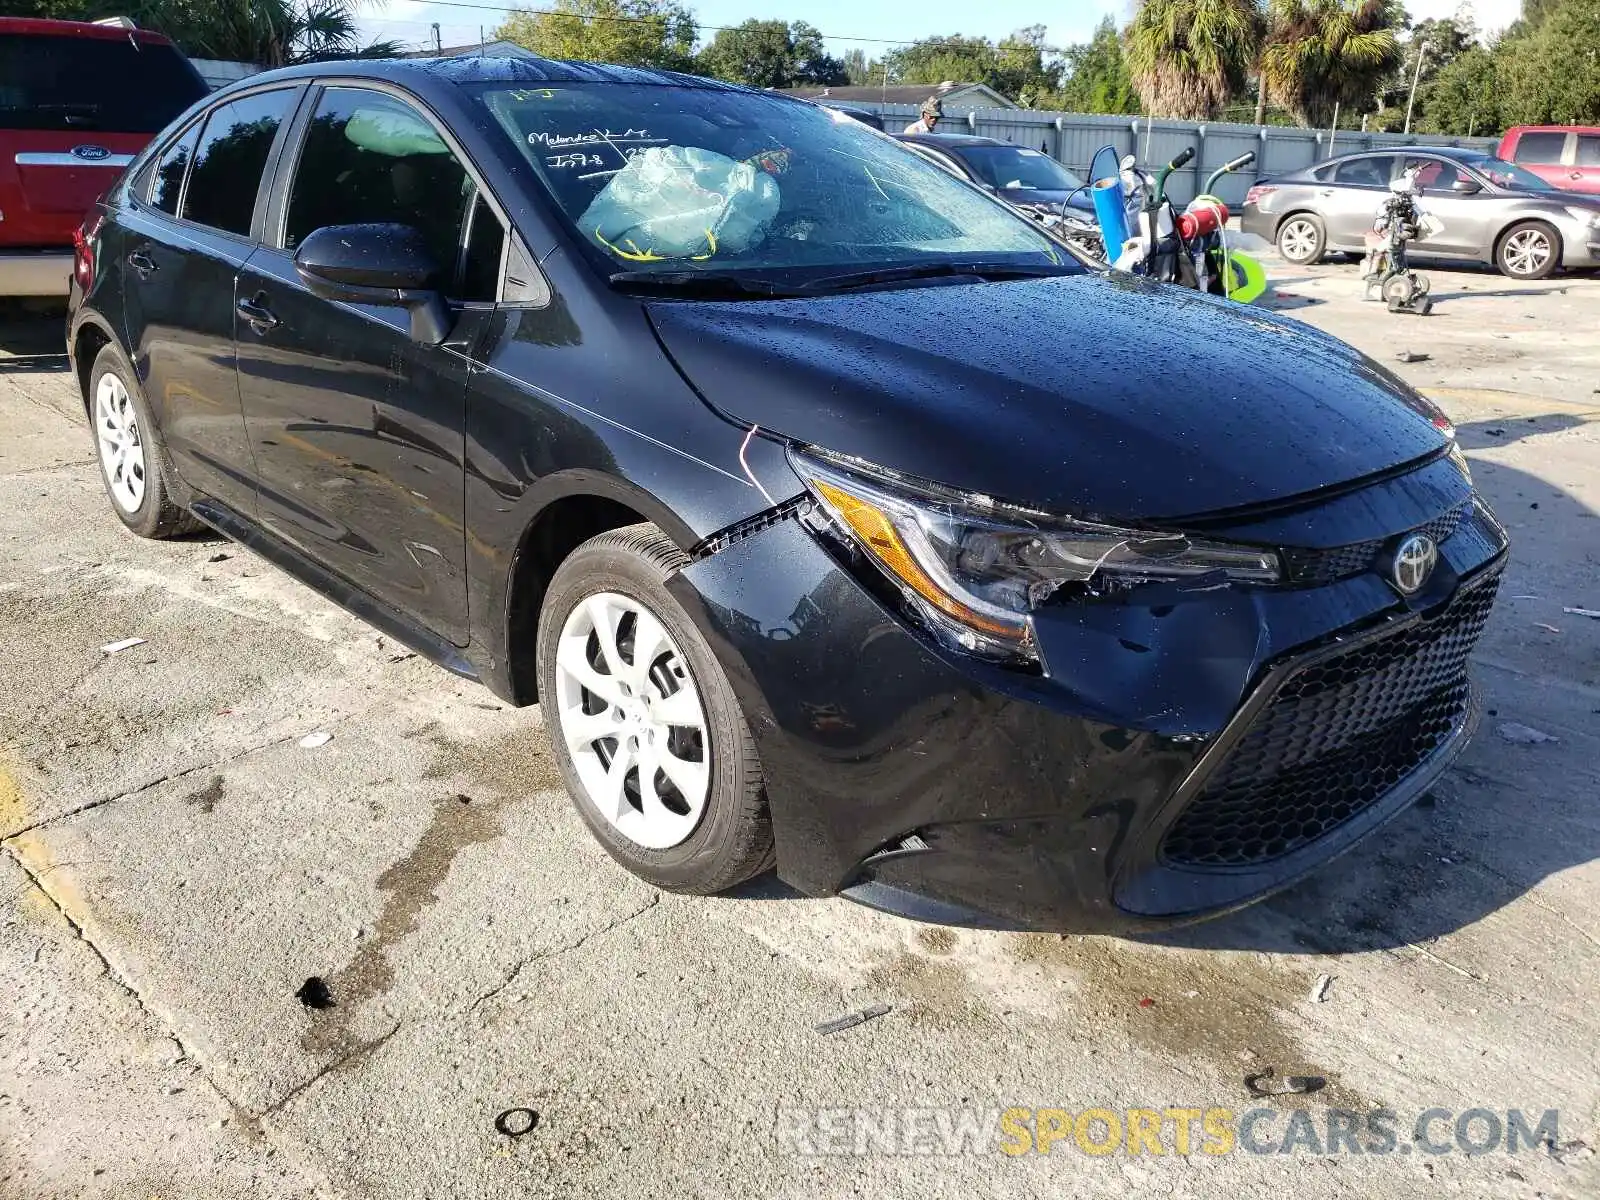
1337	735
1315	567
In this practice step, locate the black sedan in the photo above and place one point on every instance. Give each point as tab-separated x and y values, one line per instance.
1024	177
636	395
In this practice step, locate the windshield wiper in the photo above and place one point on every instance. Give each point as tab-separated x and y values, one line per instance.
705	284
933	270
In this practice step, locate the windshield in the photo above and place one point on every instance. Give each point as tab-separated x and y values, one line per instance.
672	179
1012	168
87	83
1509	175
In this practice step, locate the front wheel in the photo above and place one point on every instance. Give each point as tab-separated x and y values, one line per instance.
1529	250
650	738
1301	239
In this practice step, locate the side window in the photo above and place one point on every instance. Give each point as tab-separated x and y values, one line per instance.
371	158
166	176
1370	171
1433	173
231	155
1540	147
480	264
1588	150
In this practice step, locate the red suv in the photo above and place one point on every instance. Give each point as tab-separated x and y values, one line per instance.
1567	156
77	101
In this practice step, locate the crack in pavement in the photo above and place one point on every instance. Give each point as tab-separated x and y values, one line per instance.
48	467
556	952
342	1060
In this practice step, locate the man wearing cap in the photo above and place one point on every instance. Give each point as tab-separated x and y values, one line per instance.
932	114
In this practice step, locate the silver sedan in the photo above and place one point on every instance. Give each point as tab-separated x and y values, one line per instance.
1491	211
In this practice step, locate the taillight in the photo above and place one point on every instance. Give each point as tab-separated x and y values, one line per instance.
1258	193
84	242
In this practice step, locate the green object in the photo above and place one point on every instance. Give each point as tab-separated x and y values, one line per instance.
395	134
1246	278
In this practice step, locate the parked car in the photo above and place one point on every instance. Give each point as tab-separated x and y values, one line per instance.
1492	211
1024	177
1096	622
866	116
77	101
1565	156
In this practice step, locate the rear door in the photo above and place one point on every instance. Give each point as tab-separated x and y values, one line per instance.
357	430
188	229
1543	151
1351	196
1585	173
73	112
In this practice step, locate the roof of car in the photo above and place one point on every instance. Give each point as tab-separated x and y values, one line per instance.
479	68
952	141
1458	152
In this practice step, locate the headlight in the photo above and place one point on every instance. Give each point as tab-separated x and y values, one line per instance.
1585	216
975	568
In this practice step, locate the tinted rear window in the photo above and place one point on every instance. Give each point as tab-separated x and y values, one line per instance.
232	153
1540	147
1588	150
92	84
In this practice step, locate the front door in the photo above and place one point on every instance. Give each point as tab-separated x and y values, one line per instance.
1467	219
357	430
188	232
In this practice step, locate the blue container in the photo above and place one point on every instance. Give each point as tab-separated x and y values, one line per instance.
1110	211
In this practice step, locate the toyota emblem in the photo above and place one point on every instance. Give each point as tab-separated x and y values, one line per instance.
91	153
1413	563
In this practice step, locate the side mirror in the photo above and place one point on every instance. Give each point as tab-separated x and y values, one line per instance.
1466	187
376	264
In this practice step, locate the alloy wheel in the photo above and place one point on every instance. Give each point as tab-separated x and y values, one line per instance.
117	435
1298	240
633	720
1526	252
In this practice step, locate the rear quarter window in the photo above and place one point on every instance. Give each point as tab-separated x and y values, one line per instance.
1534	147
88	84
1588	150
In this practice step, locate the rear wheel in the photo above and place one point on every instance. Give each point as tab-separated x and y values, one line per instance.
649	736
1529	250
1301	239
131	465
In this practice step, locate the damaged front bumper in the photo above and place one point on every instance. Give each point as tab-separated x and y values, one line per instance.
1162	766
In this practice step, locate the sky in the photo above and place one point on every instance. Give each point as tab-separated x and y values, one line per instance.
847	24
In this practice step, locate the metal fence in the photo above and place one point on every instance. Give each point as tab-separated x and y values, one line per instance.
1072	139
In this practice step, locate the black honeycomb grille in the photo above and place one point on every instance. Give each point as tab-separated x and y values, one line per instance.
1310	567
1337	736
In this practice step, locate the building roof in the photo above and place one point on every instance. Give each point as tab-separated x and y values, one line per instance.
978	94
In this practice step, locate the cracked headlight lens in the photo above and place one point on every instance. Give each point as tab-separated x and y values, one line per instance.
975	568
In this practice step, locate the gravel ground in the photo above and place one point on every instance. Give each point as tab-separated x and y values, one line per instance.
176	866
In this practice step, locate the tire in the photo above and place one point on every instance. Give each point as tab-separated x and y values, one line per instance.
1528	250
132	466
678	838
1302	238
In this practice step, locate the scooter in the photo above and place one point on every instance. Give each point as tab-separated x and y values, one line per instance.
1387	269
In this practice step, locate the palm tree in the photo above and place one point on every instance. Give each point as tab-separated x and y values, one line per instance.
1188	58
274	33
1321	54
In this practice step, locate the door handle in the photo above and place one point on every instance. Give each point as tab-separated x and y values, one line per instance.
256	312
1576	175
1325	192
142	263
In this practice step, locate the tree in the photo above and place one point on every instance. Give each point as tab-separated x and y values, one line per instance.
1323	54
1550	75
1464	98
633	33
1016	68
858	71
1096	75
771	54
1188	58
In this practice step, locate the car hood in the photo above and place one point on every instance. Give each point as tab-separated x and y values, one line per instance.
1047	197
1087	394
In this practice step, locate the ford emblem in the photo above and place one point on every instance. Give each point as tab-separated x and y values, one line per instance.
91	153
